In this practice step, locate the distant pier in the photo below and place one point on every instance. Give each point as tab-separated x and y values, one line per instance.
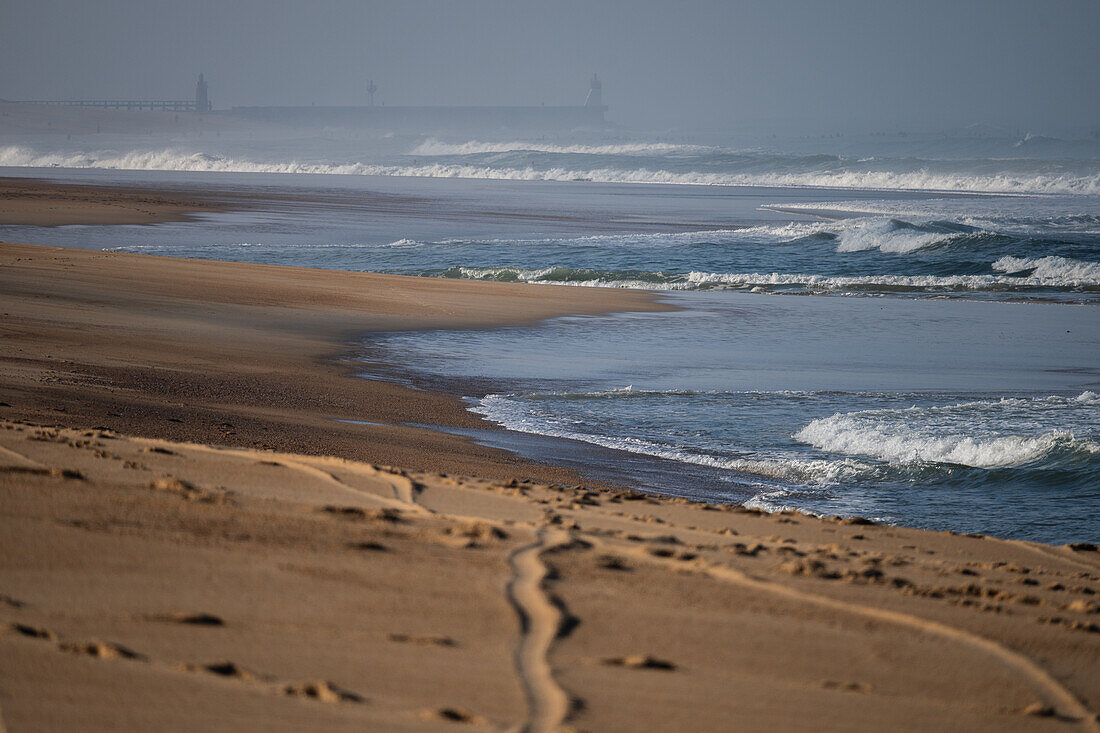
201	103
429	117
162	105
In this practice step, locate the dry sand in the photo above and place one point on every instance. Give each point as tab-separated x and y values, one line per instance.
153	585
192	542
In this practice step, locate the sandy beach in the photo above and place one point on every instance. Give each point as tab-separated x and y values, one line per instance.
193	540
50	204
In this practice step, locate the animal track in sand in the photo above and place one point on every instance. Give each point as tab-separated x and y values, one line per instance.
93	648
223	668
401	485
183	617
846	686
540	623
33	632
453	715
322	691
472	535
187	491
369	546
424	640
639	661
101	650
391	516
1024	666
43	471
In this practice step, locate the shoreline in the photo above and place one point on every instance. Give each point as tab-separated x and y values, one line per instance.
285	326
42	203
193	541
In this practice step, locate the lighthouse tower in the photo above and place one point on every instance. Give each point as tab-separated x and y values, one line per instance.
202	100
595	93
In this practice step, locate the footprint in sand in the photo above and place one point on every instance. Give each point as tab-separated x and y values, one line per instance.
453	715
101	650
322	691
369	546
639	661
33	632
184	617
223	668
386	514
425	640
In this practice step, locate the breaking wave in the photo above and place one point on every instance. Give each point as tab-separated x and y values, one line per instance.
1051	268
892	235
919	178
474	147
514	414
920	435
1087	280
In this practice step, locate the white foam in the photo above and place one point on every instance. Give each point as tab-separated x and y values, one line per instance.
515	415
749	280
887	236
473	147
851	436
1051	268
945	434
168	159
763	234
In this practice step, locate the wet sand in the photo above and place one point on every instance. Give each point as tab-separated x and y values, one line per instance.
50	204
191	540
248	355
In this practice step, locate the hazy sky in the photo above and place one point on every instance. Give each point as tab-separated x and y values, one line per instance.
814	65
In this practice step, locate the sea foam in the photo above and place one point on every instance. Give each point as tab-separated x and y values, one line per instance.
515	414
748	280
918	435
918	179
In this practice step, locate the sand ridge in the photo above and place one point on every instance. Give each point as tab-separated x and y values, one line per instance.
534	607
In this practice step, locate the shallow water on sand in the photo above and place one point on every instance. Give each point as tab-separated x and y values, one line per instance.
948	378
977	417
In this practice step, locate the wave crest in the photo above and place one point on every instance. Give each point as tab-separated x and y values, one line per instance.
644	280
1051	268
942	434
920	179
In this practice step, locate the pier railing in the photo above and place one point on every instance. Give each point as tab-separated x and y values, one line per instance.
165	105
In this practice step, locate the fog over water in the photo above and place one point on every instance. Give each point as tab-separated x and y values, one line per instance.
794	66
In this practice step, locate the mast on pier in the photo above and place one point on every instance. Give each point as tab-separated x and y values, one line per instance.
595	93
202	100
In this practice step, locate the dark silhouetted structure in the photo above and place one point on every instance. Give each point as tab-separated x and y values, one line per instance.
200	104
202	98
595	93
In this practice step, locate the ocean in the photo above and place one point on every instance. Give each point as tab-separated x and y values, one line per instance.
903	327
